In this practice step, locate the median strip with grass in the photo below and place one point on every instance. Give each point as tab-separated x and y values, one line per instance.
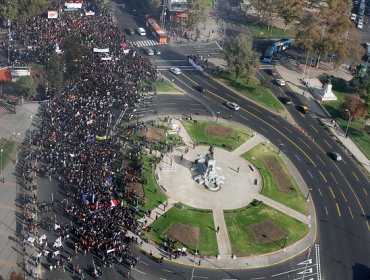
186	226
278	183
218	134
261	229
263	31
250	88
9	148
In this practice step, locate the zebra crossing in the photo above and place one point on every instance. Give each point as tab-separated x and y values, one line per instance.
146	43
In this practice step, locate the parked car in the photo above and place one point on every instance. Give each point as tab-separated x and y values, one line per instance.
232	106
360	25
175	70
335	156
200	88
353	17
280	82
285	100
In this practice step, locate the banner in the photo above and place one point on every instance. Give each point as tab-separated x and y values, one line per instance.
73	5
52	14
114	202
97	50
106	58
90	13
101	137
58	243
198	67
126	51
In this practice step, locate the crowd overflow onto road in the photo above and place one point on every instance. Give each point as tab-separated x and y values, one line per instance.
74	142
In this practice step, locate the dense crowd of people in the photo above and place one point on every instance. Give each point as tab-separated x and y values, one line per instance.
74	139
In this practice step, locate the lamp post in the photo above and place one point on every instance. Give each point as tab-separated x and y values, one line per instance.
348	122
16	134
217	115
1	164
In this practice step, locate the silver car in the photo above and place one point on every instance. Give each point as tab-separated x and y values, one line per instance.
232	106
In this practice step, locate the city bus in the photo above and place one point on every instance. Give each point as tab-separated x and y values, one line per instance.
159	34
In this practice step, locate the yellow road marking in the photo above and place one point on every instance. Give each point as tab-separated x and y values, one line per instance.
350	211
288	129
322	175
207	83
332	193
364	191
345	199
327	143
339	214
358	180
314	129
304	143
335	179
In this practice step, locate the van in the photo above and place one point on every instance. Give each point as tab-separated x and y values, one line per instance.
141	31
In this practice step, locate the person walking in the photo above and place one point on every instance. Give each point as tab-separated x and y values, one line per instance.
218	229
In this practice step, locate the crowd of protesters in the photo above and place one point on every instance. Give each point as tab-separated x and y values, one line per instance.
74	139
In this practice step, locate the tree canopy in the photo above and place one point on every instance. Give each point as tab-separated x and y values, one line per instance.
21	10
55	72
197	10
240	57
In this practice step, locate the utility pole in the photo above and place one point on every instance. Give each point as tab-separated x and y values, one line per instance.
163	16
195	256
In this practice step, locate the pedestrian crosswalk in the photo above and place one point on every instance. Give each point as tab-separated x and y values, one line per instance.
145	43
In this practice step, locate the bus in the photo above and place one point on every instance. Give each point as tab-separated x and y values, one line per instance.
159	34
277	47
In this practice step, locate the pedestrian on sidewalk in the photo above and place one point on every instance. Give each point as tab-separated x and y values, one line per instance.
238	169
218	229
200	261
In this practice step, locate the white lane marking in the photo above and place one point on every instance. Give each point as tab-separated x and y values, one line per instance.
306	271
320	191
219	46
201	277
297	157
198	110
326	210
258	278
310	173
144	263
263	129
162	279
196	104
244	118
293	270
169	103
309	261
317	247
167	270
138	271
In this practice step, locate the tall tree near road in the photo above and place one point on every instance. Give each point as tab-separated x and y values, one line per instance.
22	10
197	10
353	106
290	10
266	10
327	31
240	56
55	72
106	6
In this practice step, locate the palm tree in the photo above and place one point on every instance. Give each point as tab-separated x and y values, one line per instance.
106	6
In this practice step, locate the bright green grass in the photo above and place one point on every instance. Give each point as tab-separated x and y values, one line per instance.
152	193
164	86
198	134
293	199
9	149
242	239
356	131
261	31
252	90
189	216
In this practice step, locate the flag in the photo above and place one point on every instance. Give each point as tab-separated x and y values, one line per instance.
84	196
58	243
109	180
56	226
90	139
113	203
93	198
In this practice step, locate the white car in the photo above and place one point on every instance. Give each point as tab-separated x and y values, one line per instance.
232	106
175	70
353	17
360	25
280	82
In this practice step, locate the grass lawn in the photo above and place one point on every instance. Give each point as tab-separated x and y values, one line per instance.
9	148
192	217
294	199
261	31
198	134
251	90
164	86
356	130
152	193
243	240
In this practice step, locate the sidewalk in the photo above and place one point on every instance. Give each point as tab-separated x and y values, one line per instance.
293	79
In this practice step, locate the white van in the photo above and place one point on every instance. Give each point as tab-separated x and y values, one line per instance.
141	31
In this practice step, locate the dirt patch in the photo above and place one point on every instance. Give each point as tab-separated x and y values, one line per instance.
267	231
184	234
137	188
216	130
278	174
153	133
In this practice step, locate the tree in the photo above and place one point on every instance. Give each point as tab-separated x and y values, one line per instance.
240	56
290	10
353	106
27	86
106	6
55	72
197	10
327	31
22	10
266	10
73	52
313	2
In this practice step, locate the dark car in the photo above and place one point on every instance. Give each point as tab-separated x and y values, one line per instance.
335	156
129	31
200	88
285	100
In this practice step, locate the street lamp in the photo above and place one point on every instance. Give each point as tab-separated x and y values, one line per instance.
1	164
217	115
348	122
